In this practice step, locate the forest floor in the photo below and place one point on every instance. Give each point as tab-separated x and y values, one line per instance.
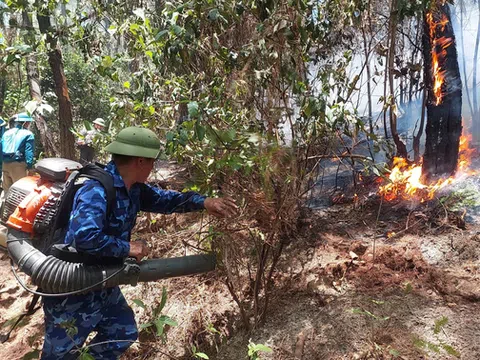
344	289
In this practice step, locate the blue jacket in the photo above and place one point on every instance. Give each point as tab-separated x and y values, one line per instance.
18	145
93	231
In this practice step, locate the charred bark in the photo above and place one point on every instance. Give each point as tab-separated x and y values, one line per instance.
67	140
444	113
35	91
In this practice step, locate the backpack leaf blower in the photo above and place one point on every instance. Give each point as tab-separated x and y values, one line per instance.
31	208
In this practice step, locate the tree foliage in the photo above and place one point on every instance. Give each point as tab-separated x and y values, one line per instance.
248	94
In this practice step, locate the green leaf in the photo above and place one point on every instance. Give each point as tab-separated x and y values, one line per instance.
408	288
161	34
168	321
193	109
439	324
126	84
86	356
450	350
394	353
139	302
134	28
419	343
107	62
145	326
435	348
170	136
200	131
201	355
261	347
159	325
227	136
34	354
164	298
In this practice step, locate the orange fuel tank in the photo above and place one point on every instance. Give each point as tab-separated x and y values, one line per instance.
24	215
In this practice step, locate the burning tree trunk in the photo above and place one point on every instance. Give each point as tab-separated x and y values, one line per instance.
67	141
444	95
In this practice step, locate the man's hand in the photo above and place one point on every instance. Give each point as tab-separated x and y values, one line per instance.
221	207
138	250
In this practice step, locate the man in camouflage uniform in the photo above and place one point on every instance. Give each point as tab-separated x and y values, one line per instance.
69	320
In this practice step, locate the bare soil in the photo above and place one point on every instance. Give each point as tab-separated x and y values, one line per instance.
343	290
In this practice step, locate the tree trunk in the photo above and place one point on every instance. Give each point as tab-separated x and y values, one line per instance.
444	102
464	65
67	140
366	48
35	91
3	92
418	136
401	147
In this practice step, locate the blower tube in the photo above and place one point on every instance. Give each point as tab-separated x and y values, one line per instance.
55	276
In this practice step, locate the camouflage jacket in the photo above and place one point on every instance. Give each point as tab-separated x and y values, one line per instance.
93	231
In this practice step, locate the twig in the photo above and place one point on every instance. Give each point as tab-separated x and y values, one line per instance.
403	230
375	230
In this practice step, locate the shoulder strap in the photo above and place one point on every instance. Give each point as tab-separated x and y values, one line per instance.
95	172
65	205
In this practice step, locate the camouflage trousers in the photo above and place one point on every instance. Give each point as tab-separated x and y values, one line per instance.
69	321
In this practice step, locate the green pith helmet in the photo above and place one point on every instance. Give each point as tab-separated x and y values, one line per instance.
135	141
99	121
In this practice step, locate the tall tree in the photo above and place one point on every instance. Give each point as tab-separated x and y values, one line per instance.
34	87
67	140
400	145
3	92
444	94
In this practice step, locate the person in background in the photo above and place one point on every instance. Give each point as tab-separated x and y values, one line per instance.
18	150
85	143
3	125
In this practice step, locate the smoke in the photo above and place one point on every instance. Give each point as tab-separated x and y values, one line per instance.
465	19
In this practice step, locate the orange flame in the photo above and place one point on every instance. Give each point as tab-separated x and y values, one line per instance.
439	53
405	180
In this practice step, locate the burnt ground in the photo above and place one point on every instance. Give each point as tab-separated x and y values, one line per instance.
337	296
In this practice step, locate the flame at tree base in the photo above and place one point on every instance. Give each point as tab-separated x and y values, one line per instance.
405	179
